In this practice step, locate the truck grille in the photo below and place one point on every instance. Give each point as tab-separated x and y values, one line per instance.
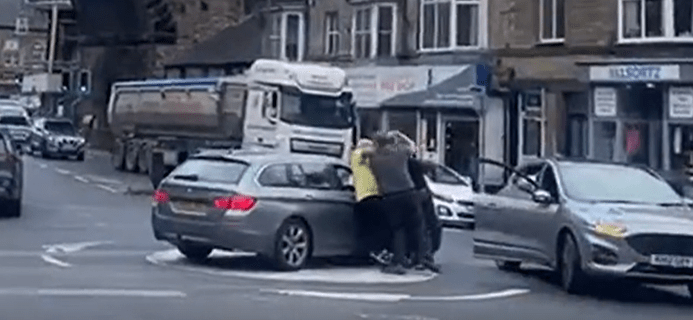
648	244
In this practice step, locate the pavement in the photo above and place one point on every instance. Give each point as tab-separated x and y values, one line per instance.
83	249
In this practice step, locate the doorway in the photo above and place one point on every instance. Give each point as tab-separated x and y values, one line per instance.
461	140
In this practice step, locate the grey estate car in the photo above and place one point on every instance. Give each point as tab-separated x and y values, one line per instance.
587	219
284	207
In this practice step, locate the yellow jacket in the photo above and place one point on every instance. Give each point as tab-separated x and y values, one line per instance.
364	179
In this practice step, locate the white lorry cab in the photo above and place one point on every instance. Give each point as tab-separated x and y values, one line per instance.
276	105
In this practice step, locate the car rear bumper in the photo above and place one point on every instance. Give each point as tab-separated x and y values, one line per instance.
223	235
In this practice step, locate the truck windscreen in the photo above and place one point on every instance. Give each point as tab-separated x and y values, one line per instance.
316	110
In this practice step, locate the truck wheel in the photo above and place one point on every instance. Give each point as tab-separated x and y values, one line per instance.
143	158
118	156
131	153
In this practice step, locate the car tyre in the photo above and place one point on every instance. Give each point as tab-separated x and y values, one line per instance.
195	252
690	290
80	156
570	270
292	245
511	266
13	208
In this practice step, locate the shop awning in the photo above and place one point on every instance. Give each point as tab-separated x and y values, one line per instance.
452	91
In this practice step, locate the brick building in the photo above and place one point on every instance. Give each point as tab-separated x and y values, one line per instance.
608	80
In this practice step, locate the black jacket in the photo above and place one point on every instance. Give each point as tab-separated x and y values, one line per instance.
416	171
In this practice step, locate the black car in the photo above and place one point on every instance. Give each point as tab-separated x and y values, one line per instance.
16	125
56	138
11	179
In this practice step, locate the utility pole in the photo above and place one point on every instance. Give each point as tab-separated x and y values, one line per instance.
53	40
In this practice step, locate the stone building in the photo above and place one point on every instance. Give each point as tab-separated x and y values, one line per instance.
608	80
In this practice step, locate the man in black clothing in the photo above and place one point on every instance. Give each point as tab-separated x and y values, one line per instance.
427	221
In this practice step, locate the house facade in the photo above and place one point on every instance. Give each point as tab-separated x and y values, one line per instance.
608	80
414	66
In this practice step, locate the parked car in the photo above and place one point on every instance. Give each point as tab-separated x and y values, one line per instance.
286	207
11	179
588	218
57	138
453	196
15	124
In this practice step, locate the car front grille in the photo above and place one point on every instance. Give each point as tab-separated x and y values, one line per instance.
650	269
648	244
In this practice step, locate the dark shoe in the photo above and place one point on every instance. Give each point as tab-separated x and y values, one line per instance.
395	269
431	266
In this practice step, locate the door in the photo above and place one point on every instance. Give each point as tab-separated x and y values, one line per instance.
536	219
461	141
329	209
499	219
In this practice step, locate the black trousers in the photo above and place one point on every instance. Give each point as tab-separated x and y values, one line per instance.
372	229
404	222
431	224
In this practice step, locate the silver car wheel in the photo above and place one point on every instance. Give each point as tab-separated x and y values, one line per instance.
294	246
572	278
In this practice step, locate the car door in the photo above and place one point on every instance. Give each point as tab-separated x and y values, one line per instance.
539	219
329	208
498	222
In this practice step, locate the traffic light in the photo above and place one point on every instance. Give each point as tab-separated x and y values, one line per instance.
84	81
66	81
164	28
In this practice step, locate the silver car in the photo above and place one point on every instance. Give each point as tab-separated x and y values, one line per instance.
285	207
587	219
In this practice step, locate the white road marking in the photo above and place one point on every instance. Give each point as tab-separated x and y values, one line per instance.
72	247
107	188
81	179
43	166
92	253
342	275
93	293
104	180
54	261
62	171
390	297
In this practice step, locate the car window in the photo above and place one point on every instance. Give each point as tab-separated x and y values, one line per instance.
444	175
275	176
212	170
548	182
345	176
60	127
320	176
14	120
531	171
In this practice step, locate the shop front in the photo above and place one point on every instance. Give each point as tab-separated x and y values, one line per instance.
439	107
642	114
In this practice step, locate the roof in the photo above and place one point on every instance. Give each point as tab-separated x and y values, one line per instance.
241	43
266	156
208	81
11	9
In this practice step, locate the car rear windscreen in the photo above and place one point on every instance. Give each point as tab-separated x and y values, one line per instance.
212	170
14	120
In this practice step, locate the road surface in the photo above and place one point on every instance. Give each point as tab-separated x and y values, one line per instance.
83	250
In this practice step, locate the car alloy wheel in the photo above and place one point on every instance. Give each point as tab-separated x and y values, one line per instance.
293	245
572	278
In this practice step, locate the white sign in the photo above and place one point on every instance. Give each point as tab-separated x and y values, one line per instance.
681	102
605	102
43	82
635	73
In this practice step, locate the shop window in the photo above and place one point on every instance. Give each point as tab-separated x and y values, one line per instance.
604	138
403	121
531	133
636	142
681	151
641	102
577	136
429	127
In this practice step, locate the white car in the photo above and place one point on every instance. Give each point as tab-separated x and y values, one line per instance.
453	197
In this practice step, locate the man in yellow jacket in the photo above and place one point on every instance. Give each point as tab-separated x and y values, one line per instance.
369	217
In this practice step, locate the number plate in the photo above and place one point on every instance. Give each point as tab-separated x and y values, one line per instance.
671	261
191	208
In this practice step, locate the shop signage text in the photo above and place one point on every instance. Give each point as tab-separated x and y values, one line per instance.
605	102
635	73
681	102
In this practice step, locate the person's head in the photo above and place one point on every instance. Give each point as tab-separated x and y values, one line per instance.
365	143
382	139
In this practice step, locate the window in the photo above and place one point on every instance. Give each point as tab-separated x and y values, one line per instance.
374	31
345	176
552	20
320	176
443	175
22	26
450	24
286	39
275	176
213	170
530	171
549	183
331	33
656	20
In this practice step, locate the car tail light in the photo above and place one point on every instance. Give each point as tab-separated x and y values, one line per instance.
160	196
237	202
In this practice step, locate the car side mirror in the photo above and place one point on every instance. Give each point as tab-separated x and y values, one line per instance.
541	196
525	185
